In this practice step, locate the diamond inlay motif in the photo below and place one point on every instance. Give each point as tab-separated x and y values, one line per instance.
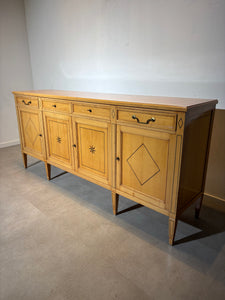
180	123
31	131
142	164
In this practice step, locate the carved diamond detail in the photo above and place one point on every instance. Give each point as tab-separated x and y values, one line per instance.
31	131
143	165
180	123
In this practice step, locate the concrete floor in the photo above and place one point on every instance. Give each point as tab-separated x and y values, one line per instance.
59	240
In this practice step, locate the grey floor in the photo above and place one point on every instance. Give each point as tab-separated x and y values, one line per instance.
60	240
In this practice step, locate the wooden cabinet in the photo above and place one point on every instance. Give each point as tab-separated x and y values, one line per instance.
144	165
153	150
93	146
58	139
31	131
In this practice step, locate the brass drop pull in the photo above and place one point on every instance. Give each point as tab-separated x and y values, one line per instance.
74	145
89	110
28	103
117	158
149	120
53	105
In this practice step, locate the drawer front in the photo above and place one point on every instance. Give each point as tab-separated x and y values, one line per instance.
56	105
27	101
164	121
92	110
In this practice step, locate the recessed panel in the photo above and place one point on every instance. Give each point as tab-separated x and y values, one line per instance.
31	130
92	148
144	164
58	139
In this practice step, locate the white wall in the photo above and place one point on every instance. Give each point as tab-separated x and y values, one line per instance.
15	70
172	48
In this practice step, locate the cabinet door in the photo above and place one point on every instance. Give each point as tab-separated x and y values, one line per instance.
31	133
58	139
93	139
145	162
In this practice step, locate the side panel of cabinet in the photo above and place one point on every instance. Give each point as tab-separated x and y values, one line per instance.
145	164
58	139
31	133
93	148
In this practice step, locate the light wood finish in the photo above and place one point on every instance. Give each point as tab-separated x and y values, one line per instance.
48	170
168	103
143	169
152	150
172	230
58	138
31	131
152	119
93	146
92	110
115	202
27	101
57	106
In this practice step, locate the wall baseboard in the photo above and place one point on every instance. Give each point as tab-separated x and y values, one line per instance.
10	143
215	197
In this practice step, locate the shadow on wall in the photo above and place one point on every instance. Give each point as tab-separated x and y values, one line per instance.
216	166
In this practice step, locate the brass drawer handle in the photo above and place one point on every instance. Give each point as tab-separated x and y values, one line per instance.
149	120
28	103
89	110
53	105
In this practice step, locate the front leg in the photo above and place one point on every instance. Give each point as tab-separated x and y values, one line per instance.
172	230
115	201
48	170
198	206
24	160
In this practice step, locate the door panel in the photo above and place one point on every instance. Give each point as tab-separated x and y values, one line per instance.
143	167
58	142
93	146
31	131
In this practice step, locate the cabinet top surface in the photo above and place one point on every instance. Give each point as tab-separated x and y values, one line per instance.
171	103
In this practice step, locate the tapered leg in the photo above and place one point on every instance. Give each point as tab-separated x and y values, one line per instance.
115	201
24	160
48	170
198	206
172	230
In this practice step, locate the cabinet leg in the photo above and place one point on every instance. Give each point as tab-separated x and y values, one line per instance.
172	230
48	170
198	206
24	160
115	201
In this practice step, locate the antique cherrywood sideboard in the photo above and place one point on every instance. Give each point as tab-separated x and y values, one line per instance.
152	150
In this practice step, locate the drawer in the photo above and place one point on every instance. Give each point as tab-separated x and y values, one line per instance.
153	119
54	105
27	101
92	110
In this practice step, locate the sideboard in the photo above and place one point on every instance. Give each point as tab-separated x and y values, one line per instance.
152	150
